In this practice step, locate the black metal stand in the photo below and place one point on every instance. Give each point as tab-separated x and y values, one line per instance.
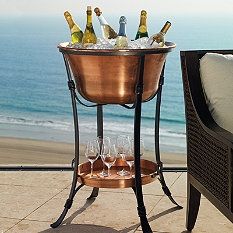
137	126
157	149
73	189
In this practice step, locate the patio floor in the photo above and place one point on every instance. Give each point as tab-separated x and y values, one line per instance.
30	201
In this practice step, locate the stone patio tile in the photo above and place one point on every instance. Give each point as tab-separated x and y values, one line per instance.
179	188
19	201
166	218
6	223
155	188
58	179
27	226
115	210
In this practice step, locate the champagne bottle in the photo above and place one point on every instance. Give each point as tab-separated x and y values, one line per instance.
121	40
159	37
76	32
142	28
89	36
107	31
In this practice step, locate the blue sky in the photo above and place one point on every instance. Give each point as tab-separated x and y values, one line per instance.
158	7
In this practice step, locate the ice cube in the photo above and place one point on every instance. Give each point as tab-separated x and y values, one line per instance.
133	45
141	43
101	44
65	44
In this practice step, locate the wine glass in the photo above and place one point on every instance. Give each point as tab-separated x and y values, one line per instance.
105	140
130	158
92	152
108	155
123	148
142	148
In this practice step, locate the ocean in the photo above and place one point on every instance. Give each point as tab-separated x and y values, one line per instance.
34	97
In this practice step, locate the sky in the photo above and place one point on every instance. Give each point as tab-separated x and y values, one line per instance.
159	7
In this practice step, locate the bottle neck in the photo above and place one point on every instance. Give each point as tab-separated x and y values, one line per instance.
89	18
142	21
165	28
122	29
70	22
102	20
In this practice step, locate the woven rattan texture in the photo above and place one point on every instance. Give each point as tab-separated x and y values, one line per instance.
207	157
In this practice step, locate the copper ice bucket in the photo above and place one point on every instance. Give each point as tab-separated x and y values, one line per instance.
110	76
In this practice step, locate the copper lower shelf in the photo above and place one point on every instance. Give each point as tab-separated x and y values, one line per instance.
148	171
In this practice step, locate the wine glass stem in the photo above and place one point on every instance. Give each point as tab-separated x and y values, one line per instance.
123	158
103	168
91	169
130	169
109	171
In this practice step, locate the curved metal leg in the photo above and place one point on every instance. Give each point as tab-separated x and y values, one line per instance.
157	150
75	162
166	189
137	165
94	194
67	206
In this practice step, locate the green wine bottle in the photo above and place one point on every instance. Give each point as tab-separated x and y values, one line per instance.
89	36
142	28
107	31
76	32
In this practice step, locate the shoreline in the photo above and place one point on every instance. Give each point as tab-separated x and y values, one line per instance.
20	151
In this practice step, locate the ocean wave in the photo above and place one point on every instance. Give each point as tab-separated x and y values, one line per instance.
127	116
87	126
62	125
126	128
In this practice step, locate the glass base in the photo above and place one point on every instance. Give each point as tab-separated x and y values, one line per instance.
123	172
103	173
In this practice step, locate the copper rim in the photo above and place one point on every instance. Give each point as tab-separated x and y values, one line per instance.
169	46
148	170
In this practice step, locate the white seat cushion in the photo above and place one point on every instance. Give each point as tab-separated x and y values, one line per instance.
216	71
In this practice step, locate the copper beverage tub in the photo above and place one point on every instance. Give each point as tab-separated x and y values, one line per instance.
110	76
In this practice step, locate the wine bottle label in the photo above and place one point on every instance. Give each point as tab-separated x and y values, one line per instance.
121	42
102	20
74	29
142	29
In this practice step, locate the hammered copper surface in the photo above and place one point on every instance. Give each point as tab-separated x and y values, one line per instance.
148	170
112	79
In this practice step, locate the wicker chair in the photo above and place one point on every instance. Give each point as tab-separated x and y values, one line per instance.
209	147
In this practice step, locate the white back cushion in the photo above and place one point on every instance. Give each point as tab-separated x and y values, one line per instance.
216	71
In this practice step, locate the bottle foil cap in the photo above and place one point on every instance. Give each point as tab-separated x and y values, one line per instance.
97	11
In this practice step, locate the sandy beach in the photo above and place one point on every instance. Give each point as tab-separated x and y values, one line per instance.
27	151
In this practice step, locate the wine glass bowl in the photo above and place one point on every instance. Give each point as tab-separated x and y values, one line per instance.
142	147
108	155
123	148
92	152
130	161
103	141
